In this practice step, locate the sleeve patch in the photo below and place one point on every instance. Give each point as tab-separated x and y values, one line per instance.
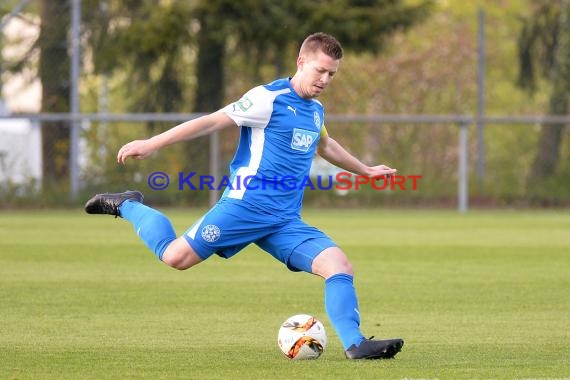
245	103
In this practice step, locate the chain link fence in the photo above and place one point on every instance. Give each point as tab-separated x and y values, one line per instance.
434	156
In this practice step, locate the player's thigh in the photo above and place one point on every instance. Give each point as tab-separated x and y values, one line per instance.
296	244
180	255
226	229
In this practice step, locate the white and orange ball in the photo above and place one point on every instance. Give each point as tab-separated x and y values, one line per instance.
301	337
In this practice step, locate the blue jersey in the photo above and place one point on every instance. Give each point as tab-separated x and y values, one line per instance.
279	135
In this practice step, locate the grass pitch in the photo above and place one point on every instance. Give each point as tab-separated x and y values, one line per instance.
482	295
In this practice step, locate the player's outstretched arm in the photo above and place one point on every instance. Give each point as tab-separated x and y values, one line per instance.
204	125
333	152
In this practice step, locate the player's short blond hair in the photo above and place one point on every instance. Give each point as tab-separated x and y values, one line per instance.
322	42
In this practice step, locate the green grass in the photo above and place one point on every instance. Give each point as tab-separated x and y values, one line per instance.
482	295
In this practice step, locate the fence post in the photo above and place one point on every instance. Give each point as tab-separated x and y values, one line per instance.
481	54
214	164
74	100
462	173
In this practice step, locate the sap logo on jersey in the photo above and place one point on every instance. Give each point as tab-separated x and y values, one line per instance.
303	139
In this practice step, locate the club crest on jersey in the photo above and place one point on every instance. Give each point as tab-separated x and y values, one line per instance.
303	139
211	233
317	119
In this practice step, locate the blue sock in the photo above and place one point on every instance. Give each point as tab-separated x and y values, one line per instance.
150	225
342	308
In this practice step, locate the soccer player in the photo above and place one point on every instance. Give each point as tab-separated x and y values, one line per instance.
281	129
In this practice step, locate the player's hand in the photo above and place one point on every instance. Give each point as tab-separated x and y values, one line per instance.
381	170
138	149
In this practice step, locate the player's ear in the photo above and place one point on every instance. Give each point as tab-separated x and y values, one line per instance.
300	62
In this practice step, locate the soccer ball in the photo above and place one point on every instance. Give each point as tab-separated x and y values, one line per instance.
301	337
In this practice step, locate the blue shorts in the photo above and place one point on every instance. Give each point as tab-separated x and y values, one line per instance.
232	225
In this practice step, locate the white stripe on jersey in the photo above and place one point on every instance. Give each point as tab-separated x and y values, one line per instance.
192	233
256	151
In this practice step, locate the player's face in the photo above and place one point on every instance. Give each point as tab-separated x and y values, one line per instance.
316	72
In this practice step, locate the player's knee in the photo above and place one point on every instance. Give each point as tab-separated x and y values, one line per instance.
337	267
343	266
175	260
180	256
181	266
330	262
178	264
